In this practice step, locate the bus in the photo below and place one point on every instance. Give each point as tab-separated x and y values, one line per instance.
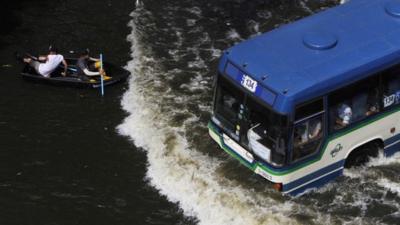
300	103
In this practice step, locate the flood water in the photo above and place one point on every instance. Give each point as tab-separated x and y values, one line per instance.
141	154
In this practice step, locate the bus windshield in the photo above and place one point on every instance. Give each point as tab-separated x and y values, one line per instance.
256	127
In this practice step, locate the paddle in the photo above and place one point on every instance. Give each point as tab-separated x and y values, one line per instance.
101	75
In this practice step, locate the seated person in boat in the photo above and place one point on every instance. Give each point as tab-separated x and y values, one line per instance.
85	66
45	65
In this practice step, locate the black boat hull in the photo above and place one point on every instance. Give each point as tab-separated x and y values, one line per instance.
116	73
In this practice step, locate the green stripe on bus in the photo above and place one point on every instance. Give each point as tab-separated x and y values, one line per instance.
331	138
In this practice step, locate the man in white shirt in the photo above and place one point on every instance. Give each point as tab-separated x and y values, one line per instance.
50	63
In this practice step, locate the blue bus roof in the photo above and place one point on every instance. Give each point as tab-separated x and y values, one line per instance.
315	55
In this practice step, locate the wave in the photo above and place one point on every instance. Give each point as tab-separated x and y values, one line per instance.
174	53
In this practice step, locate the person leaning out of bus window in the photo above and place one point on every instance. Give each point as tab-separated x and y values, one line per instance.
345	114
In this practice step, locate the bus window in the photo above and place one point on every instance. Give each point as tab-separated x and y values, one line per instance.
353	103
267	133
308	130
228	101
391	87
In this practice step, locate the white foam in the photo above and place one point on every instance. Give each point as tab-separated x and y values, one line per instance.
382	160
184	175
367	171
305	7
233	35
195	11
191	22
266	15
390	185
254	27
197	63
215	53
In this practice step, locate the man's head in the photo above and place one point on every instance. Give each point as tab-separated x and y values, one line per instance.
347	113
53	49
84	53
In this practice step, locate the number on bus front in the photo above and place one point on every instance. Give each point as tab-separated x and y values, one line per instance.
249	83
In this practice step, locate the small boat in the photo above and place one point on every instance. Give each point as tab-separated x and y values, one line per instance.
114	73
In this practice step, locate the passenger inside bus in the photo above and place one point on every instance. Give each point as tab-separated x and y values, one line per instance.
344	116
372	110
373	102
315	129
363	103
300	135
306	138
308	132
